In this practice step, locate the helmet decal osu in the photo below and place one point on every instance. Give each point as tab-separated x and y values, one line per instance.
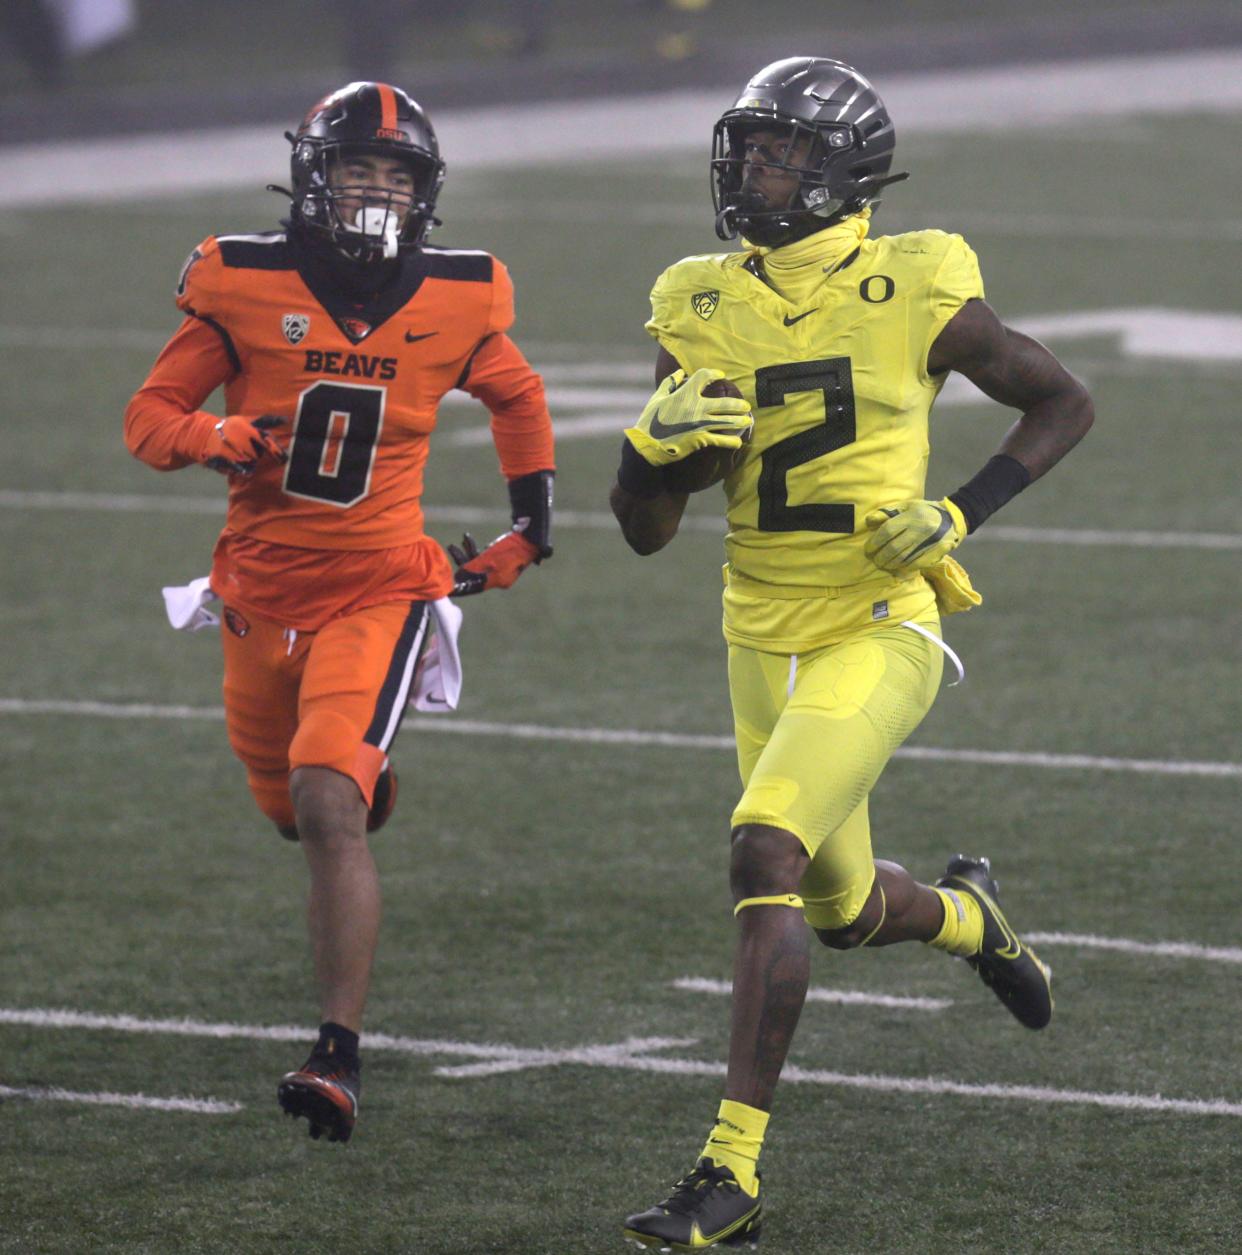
840	146
364	223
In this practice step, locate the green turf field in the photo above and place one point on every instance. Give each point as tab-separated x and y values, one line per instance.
545	893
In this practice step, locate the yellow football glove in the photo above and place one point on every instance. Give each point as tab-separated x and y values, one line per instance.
914	535
679	420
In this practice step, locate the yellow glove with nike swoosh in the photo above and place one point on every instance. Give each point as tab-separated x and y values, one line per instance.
679	420
914	535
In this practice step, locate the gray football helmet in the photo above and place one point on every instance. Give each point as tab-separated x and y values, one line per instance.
847	162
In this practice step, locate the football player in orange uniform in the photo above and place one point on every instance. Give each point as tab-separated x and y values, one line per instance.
334	340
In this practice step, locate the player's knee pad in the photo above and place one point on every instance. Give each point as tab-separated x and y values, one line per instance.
325	738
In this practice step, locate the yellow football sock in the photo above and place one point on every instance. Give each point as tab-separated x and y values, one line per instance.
962	931
737	1140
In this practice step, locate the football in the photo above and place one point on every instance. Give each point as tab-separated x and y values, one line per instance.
708	466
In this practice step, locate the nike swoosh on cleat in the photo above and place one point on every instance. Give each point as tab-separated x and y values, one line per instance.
409	339
789	322
697	1239
1013	947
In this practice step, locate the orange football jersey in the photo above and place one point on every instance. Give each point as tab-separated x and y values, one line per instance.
358	385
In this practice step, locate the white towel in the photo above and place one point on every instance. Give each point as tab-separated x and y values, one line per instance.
186	605
437	679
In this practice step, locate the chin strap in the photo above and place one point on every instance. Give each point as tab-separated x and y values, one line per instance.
874	185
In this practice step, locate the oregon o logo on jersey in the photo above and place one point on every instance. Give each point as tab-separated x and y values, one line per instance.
704	303
876	289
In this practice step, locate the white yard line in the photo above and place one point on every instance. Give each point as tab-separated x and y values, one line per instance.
1072	762
629	1053
817	993
1098	536
1014	1093
1154	949
102	1098
623	736
606	423
599	520
632	1055
680	740
111	710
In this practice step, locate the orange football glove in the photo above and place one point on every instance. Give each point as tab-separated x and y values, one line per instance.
497	566
236	444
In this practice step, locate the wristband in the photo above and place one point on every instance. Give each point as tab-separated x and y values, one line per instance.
1000	480
637	476
530	499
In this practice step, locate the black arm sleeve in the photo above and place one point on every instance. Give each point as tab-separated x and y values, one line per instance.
1000	480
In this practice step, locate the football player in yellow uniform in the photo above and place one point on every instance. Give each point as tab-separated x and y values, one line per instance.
838	566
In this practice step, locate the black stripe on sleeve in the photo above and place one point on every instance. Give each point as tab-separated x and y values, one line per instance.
229	347
474	352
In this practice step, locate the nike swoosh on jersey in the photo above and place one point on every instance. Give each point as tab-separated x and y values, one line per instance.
789	322
409	339
660	430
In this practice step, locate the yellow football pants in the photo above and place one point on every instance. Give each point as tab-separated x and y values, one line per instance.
814	732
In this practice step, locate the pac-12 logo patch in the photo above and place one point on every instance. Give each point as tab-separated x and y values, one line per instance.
236	622
704	303
295	327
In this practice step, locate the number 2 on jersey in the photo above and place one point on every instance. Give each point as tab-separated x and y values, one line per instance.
832	378
333	448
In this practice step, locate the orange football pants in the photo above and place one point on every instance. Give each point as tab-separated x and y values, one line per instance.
332	698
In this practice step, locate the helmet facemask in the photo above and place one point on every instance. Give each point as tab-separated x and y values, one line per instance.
365	223
834	178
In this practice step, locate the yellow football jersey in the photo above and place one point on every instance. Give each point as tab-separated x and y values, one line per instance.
841	396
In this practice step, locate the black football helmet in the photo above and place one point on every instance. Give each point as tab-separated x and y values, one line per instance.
366	118
847	162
